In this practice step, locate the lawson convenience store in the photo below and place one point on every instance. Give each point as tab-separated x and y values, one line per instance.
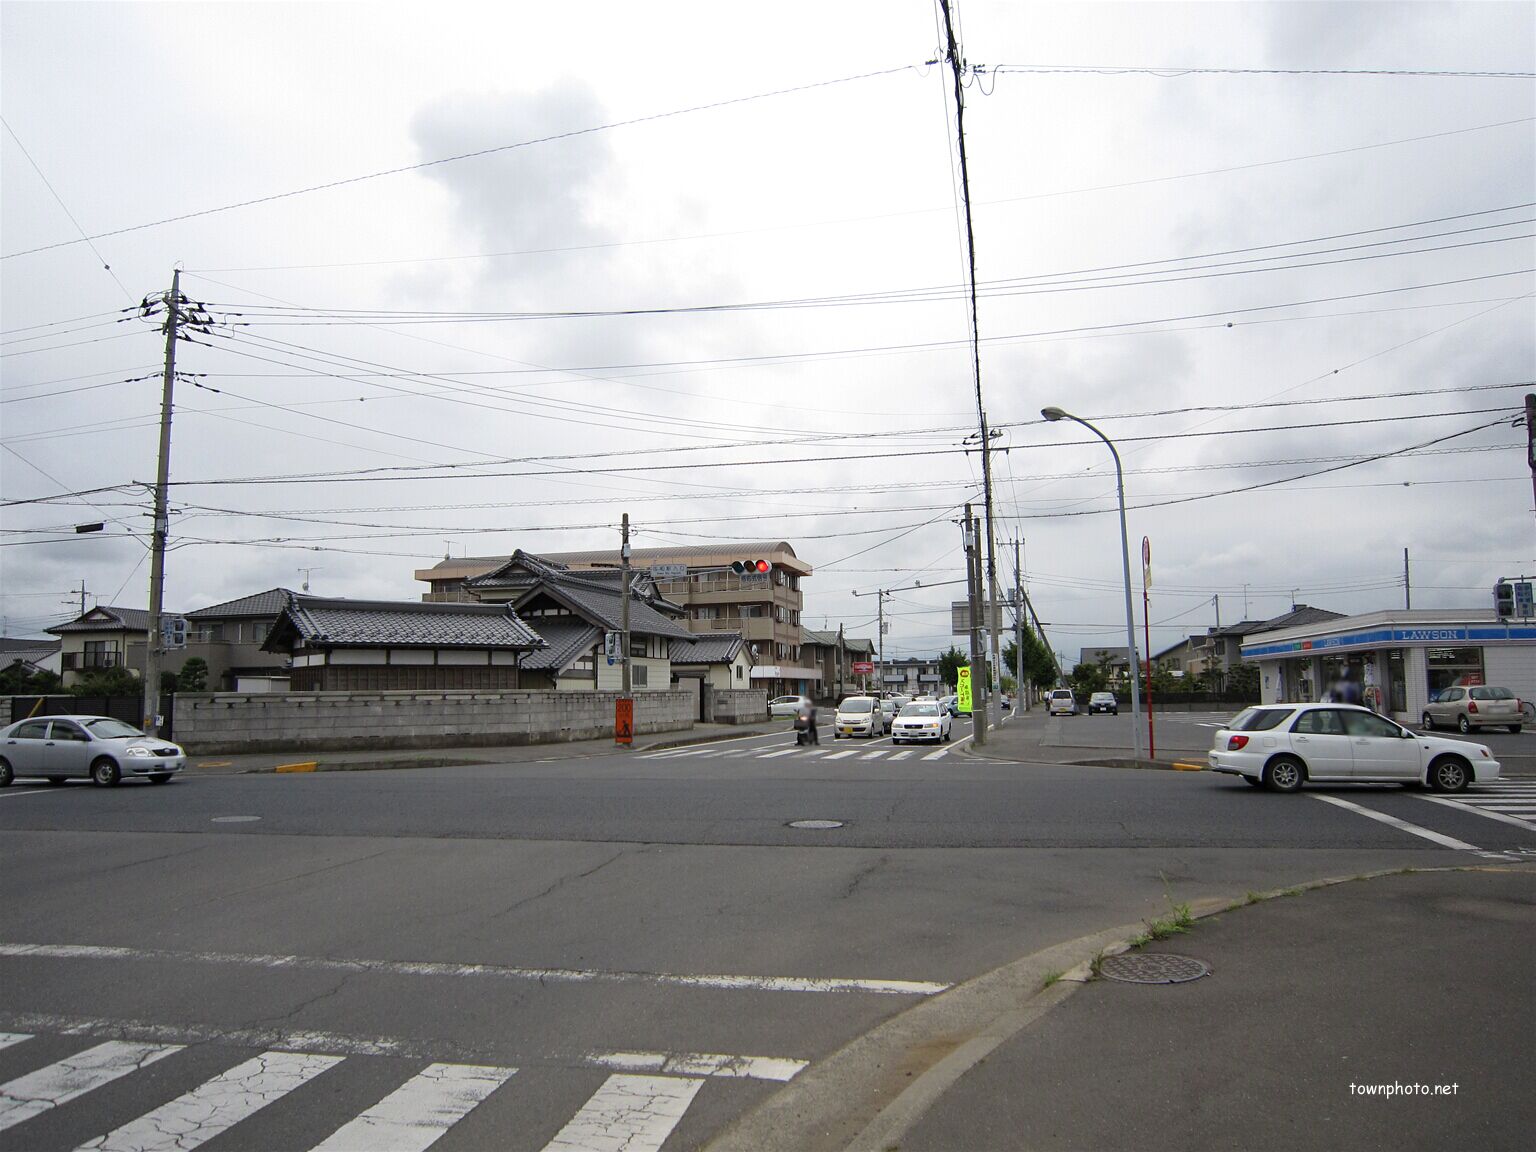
1401	657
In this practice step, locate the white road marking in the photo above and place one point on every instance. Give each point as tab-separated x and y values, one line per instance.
9	1038
902	755
491	971
9	795
677	753
771	755
1401	825
843	755
58	1083
701	1064
215	1105
936	755
627	1114
1479	810
413	1116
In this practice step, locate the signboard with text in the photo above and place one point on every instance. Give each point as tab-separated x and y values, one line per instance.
669	571
623	721
963	689
863	667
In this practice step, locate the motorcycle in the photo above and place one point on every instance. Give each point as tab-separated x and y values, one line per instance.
805	728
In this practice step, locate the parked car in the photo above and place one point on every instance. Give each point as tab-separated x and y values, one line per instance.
1479	706
101	748
858	716
891	706
921	720
1061	702
787	706
950	704
1103	702
1284	746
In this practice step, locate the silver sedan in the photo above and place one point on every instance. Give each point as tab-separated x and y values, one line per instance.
100	748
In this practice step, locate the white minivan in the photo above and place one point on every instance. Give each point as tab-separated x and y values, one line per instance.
1062	703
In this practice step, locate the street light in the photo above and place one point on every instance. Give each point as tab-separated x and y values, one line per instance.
1054	414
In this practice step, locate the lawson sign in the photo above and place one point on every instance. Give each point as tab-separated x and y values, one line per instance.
1395	636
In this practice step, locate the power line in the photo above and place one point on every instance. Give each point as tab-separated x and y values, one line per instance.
575	132
1174	72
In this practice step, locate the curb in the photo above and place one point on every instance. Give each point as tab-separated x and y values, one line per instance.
867	1095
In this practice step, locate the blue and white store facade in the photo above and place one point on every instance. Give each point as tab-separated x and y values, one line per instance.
1400	657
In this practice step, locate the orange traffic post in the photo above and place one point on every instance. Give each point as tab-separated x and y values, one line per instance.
624	721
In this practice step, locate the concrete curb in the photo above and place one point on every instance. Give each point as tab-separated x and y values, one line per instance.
866	1096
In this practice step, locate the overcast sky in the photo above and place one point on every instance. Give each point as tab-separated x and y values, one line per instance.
1144	242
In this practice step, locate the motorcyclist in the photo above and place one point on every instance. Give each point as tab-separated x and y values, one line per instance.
805	725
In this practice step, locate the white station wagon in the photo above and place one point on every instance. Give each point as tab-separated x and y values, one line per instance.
1283	746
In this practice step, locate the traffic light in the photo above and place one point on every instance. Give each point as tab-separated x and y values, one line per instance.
1504	599
743	567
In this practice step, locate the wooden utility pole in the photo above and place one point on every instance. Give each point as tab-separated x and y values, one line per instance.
971	536
152	639
626	682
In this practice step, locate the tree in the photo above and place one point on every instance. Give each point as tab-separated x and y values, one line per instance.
1244	679
1039	668
194	676
108	682
950	664
18	680
1087	679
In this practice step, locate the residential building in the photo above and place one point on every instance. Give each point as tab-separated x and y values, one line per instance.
1113	659
574	610
383	646
763	606
722	660
105	637
1221	648
1401	656
1178	657
230	638
912	676
820	650
33	655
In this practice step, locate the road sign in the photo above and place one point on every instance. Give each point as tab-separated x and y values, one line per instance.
960	614
613	647
963	689
1146	562
1525	602
863	667
623	721
669	571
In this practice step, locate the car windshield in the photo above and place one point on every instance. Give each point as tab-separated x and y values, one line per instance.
109	729
1100	697
1492	694
1258	719
1061	695
854	707
920	710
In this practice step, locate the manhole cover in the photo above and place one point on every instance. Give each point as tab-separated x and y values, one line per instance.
1153	968
234	819
816	825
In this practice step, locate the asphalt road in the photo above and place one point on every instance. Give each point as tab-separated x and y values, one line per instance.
642	936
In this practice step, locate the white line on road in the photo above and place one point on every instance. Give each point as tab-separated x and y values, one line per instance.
627	1114
700	1064
1478	810
843	755
58	1083
937	755
413	1116
215	1105
875	755
9	795
1401	825
771	755
9	1038
493	971
902	755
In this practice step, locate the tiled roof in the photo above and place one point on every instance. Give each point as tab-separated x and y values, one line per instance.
568	637
21	646
1299	615
104	618
408	624
713	648
595	596
268	603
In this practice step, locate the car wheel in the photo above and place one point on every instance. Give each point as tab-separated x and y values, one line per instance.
1284	774
160	778
948	736
1463	725
1427	722
7	774
1449	774
105	773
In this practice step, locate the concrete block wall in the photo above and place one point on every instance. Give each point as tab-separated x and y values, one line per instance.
331	721
737	705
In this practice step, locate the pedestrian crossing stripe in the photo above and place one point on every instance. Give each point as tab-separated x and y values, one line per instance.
797	751
642	1099
1507	801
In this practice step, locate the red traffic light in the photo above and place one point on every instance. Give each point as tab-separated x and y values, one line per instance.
742	567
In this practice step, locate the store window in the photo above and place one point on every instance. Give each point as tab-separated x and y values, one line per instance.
1397	682
1449	667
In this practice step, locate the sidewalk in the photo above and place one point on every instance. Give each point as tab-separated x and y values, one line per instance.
1416	979
1021	737
306	760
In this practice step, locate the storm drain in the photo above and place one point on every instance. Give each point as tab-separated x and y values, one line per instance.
816	825
1153	968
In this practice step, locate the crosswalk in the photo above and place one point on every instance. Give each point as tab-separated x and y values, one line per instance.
1510	801
633	1101
832	750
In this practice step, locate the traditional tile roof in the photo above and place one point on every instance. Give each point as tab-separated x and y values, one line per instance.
594	595
408	624
711	648
26	648
105	618
568	637
779	552
268	603
1299	615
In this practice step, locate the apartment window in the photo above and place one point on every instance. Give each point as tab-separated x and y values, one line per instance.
637	648
638	675
707	613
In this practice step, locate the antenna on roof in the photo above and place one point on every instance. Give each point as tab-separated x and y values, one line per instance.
306	572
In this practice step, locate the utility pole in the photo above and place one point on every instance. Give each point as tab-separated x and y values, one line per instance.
1530	438
152	639
624	607
82	597
839	662
1021	693
1216	600
1407	587
978	651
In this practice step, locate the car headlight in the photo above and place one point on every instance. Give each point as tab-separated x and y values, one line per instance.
140	752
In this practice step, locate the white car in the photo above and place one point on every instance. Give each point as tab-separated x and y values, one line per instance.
1283	746
858	716
790	706
921	720
1061	702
